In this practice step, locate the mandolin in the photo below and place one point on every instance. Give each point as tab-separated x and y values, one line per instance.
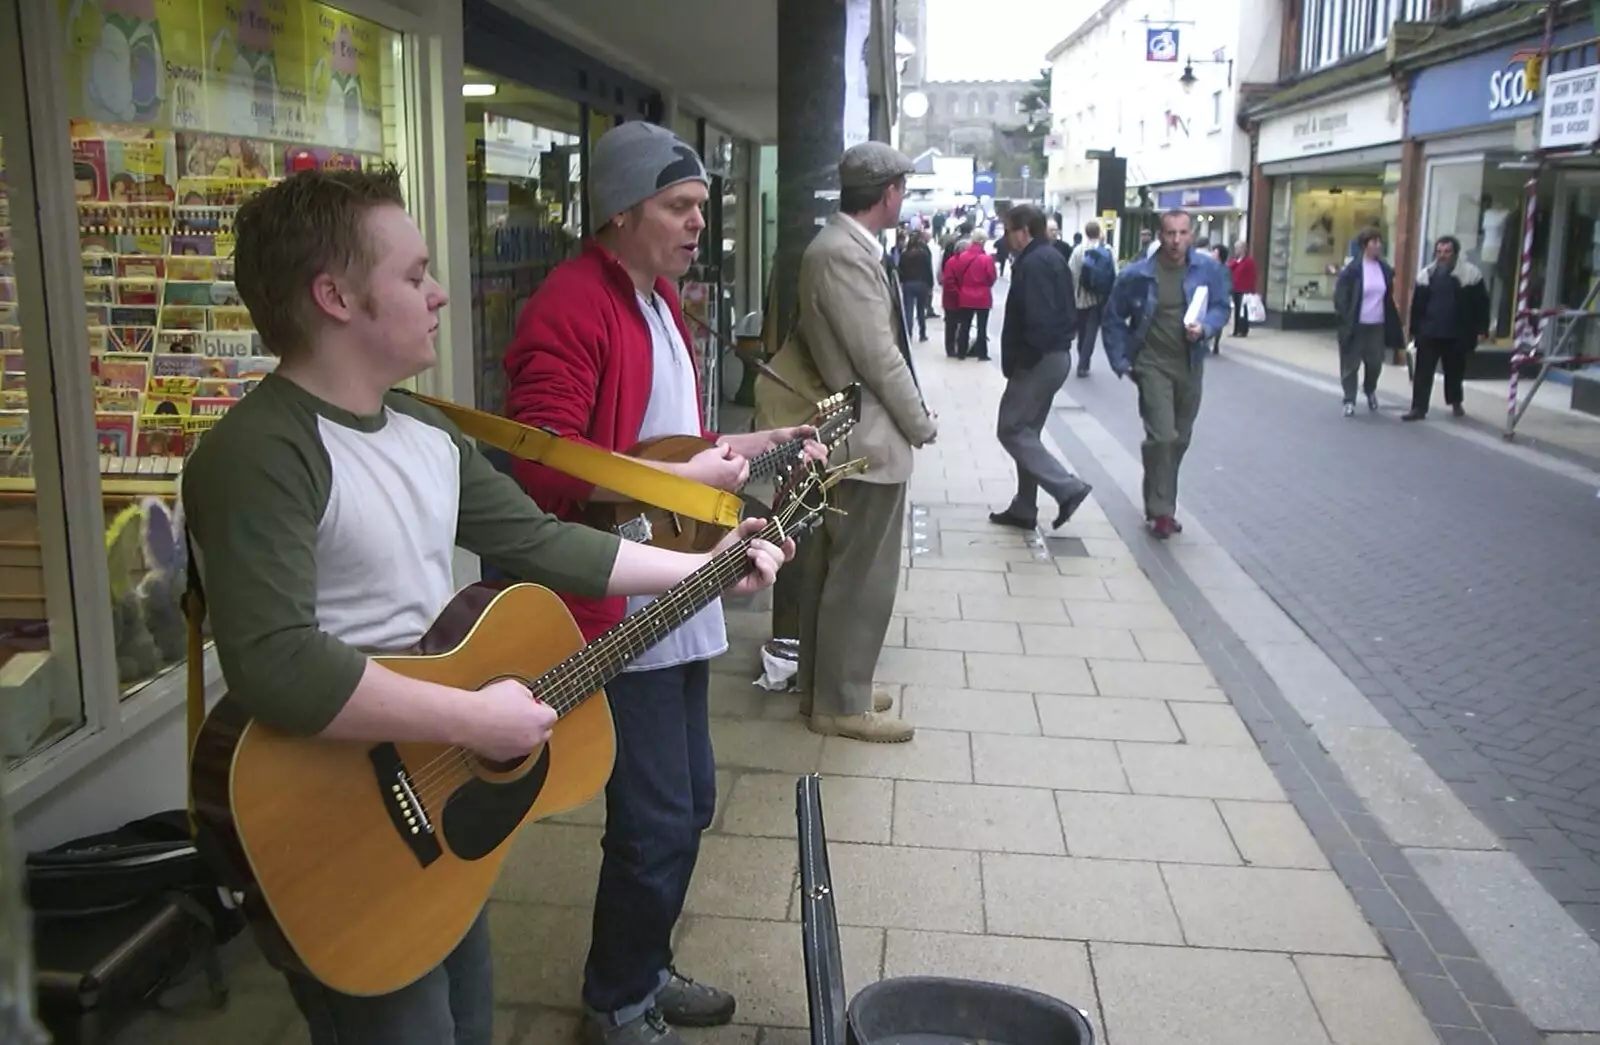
833	419
364	864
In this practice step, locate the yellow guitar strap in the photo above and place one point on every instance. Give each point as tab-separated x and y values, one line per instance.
601	467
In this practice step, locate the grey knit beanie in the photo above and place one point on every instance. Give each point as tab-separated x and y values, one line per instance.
633	162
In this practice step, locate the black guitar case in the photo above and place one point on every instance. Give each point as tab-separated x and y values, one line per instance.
819	926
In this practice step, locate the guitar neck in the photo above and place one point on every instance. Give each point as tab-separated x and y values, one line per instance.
766	464
572	681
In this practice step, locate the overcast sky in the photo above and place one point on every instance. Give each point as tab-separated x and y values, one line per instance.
976	41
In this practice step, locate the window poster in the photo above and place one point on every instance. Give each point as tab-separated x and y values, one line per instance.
286	70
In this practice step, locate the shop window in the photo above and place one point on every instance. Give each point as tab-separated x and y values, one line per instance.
1315	220
1480	204
180	111
40	696
524	181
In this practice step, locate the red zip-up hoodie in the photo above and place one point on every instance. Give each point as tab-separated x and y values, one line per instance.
581	365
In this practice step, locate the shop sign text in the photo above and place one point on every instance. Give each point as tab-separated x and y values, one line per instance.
1570	118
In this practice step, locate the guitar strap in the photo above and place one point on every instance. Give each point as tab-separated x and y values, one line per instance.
601	467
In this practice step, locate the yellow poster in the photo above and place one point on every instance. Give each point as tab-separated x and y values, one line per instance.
255	68
134	61
346	80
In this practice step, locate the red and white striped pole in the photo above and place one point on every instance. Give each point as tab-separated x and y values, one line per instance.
1524	332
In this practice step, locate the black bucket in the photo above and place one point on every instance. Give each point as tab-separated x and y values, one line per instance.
908	1010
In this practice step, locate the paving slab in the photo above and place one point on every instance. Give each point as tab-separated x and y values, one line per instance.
1204	997
1211	725
1066	898
1117	678
1271	834
1012	608
1033	674
1363	1000
1268	909
900	887
1059	641
1058	968
976	816
962	636
933	754
764	964
979	710
858	809
1145	827
1415	807
1048	762
1106	718
1198	772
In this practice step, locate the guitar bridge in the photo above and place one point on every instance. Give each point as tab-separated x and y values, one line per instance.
637	530
406	812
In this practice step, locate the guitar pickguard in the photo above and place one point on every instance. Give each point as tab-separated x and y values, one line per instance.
481	814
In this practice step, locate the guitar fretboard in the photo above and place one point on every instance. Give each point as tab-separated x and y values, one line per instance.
569	683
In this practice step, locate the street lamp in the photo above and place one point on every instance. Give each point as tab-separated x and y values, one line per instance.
1188	79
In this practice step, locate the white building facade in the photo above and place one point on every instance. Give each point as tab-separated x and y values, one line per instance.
1159	84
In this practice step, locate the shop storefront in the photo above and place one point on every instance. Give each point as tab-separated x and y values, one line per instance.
124	338
1478	122
1218	208
1332	170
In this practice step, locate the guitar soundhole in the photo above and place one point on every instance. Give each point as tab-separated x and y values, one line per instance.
510	765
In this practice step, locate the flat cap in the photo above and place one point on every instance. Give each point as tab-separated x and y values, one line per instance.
871	164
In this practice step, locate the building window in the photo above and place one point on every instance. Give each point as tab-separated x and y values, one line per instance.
1216	108
1333	30
955	105
972	104
994	104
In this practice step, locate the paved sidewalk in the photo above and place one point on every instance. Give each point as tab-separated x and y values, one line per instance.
1549	420
1082	812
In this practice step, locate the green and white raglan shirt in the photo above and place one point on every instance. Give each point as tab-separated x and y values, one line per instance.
319	532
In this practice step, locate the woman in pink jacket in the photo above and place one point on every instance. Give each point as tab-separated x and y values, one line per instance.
975	275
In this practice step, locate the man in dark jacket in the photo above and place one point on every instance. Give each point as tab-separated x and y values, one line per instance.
916	282
1035	358
1449	316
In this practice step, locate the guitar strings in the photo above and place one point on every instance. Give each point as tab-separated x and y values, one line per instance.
573	680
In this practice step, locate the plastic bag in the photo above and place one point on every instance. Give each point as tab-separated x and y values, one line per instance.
1255	310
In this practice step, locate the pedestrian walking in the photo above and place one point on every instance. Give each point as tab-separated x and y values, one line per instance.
1449	316
1242	270
975	276
916	282
1094	271
1219	252
1369	322
1035	357
1149	334
950	293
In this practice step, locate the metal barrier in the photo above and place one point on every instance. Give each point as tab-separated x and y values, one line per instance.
1555	339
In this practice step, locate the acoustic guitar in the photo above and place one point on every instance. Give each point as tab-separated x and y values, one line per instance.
833	419
364	864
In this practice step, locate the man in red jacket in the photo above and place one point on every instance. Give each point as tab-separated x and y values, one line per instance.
601	355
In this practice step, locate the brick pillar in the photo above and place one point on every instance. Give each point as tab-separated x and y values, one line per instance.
811	57
1407	231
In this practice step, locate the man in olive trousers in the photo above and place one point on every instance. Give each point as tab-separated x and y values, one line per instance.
1147	333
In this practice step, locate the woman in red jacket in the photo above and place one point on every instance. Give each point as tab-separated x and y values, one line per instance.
975	279
1242	267
950	293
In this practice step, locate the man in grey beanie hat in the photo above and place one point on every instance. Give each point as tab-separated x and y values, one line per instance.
601	354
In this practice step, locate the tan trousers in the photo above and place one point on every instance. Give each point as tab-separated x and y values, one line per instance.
851	578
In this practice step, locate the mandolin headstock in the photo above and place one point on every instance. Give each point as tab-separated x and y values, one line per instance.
801	495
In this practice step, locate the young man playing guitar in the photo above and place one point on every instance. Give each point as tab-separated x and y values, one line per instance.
601	355
324	510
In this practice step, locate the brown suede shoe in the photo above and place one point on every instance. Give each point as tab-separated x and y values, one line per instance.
871	727
881	702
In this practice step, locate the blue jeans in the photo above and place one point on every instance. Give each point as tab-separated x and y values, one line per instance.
452	1005
661	796
914	300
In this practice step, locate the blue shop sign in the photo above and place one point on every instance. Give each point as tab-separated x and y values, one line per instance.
1485	88
1219	197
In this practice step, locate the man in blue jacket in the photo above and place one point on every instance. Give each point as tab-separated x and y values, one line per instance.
1146	333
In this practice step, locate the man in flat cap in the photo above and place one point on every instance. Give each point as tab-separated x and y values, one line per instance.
601	355
849	329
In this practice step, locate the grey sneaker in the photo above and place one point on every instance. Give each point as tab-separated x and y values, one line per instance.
649	1029
686	1003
